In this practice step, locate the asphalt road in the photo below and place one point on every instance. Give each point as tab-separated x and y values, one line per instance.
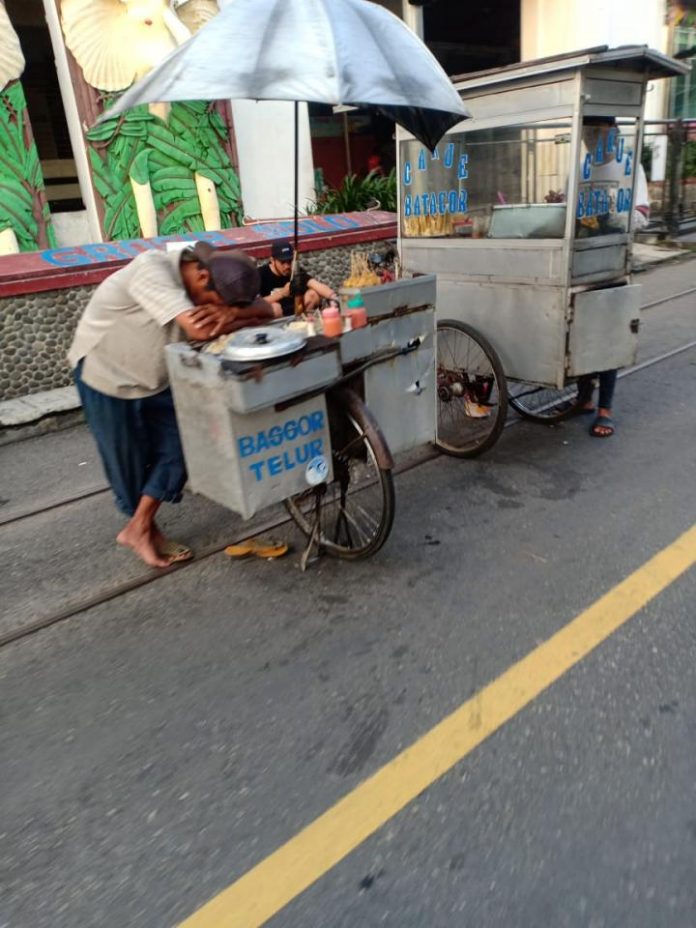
157	747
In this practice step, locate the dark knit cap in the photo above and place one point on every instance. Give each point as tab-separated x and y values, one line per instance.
233	274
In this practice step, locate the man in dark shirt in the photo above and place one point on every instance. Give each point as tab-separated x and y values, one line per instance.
280	291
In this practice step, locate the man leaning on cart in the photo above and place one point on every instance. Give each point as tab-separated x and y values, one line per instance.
118	361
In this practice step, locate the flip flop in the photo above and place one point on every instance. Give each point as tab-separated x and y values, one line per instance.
476	410
603	422
265	549
175	551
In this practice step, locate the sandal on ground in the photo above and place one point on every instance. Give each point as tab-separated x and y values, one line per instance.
174	550
476	410
259	548
600	424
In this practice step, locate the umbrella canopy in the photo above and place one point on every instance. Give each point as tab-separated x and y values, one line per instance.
349	52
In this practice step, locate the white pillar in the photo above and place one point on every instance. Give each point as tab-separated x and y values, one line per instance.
552	27
264	134
77	139
413	17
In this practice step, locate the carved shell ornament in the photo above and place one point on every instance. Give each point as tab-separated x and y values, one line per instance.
11	57
116	42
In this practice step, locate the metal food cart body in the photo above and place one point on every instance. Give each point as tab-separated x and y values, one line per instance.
553	304
255	434
243	448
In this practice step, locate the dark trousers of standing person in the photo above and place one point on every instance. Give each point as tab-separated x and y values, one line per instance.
607	384
138	442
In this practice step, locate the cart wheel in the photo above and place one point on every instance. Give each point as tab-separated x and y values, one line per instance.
357	507
540	404
471	391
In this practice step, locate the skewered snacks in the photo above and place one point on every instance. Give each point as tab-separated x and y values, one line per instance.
361	274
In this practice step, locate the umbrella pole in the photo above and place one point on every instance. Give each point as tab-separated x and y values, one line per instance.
297	169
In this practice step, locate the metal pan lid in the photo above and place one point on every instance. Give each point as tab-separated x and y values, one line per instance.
262	343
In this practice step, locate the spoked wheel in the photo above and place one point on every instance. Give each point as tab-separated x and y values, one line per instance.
540	404
356	510
471	391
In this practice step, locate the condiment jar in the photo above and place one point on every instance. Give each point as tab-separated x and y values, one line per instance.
331	321
357	312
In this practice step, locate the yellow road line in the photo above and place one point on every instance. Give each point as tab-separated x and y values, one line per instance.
275	881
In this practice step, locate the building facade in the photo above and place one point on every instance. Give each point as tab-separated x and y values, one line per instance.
203	166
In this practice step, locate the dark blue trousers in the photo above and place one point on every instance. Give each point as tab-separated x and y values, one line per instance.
139	444
607	383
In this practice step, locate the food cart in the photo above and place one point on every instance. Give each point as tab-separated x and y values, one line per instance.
525	213
282	416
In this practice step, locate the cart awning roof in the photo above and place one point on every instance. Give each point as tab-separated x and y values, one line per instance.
652	63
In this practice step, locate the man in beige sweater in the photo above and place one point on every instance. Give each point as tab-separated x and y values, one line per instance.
119	365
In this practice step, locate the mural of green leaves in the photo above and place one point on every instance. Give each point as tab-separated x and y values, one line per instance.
141	147
21	180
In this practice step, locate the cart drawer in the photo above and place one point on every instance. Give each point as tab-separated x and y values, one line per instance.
603	333
385	299
391	332
259	387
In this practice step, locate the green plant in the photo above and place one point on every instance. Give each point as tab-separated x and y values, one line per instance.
356	194
690	159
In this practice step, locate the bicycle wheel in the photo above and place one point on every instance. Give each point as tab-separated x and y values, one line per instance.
471	391
356	510
539	404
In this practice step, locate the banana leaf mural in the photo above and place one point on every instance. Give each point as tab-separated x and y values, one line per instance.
164	178
25	219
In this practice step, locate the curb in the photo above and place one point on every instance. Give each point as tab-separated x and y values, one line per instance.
39	413
49	423
637	267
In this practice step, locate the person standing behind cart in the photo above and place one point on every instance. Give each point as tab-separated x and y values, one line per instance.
280	290
118	361
606	176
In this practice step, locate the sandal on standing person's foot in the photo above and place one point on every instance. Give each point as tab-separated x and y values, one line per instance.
602	427
174	550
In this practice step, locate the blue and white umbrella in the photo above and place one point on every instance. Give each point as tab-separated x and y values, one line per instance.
338	52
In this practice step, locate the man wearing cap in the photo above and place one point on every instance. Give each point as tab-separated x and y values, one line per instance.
118	360
280	290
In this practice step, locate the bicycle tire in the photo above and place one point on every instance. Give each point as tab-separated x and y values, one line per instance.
360	456
540	404
466	387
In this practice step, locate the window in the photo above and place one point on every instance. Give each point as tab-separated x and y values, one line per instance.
45	105
684	87
606	178
496	183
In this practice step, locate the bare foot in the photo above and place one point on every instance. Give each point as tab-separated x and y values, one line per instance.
158	538
143	544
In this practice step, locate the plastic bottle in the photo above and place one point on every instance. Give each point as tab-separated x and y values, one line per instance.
357	312
331	321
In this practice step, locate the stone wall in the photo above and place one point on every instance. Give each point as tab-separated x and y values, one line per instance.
36	329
